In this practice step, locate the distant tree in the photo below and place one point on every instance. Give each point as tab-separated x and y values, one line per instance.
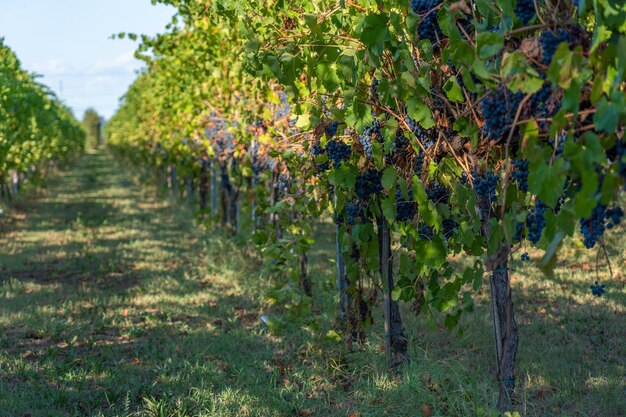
92	122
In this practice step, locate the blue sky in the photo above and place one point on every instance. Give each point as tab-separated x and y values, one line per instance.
68	42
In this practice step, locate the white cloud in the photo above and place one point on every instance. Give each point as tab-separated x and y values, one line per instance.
124	62
52	66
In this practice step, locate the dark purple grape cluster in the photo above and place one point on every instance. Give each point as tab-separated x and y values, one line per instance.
425	232
558	143
317	150
536	221
550	42
485	186
406	208
449	227
400	144
593	227
499	109
597	289
520	174
368	183
356	212
371	132
283	183
614	216
525	10
437	193
525	257
428	27
331	129
539	105
374	89
338	152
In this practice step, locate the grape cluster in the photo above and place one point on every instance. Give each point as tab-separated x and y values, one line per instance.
597	289
525	10
331	129
593	227
428	27
525	257
371	132
405	208
536	221
368	183
539	104
614	216
449	226
520	174
485	186
400	144
437	193
558	143
550	42
356	213
374	89
283	183
317	150
338	152
499	109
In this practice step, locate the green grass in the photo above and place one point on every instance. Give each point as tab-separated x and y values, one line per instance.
114	302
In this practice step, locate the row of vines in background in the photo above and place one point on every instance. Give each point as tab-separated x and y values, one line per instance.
36	129
427	129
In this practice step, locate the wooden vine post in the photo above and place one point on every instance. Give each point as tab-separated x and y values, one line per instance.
396	343
504	324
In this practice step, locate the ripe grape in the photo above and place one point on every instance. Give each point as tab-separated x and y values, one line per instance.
338	152
317	150
331	129
597	289
368	183
356	213
525	257
499	109
405	208
614	216
449	226
428	27
371	132
520	174
593	227
550	42
536	221
525	10
437	193
485	186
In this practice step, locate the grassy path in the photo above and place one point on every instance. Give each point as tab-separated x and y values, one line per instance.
113	302
110	303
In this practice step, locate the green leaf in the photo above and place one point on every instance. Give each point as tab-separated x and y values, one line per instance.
389	178
547	181
388	206
431	253
420	112
607	115
489	44
453	90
